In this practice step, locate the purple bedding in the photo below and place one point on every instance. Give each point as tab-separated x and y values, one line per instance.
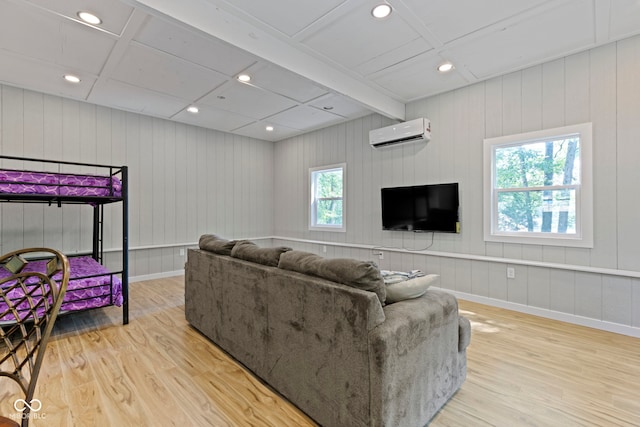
82	292
56	184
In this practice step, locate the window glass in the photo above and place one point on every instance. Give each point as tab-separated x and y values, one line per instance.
538	187
327	198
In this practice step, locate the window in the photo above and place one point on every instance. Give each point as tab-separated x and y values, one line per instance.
538	187
327	209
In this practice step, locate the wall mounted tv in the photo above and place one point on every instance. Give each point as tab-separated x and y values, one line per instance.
421	208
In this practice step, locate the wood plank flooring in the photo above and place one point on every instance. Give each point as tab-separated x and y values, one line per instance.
158	371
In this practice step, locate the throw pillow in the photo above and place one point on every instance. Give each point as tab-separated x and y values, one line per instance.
249	251
216	244
363	275
412	288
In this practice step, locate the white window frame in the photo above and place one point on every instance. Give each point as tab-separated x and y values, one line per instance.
313	207
583	238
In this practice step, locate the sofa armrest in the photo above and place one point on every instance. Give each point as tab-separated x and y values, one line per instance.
414	360
464	333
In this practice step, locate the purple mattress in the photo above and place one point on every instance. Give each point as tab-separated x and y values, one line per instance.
56	184
82	292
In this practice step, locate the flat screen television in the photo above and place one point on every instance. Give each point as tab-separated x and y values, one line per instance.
421	208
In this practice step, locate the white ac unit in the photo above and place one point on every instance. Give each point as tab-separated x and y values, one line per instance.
402	133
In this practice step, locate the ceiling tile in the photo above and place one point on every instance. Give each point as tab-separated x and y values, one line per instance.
47	78
247	100
625	15
133	98
417	77
528	42
194	47
33	33
355	38
278	14
114	14
283	82
340	105
257	130
213	118
304	118
449	20
393	57
151	69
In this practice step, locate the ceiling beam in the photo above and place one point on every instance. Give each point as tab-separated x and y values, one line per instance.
209	17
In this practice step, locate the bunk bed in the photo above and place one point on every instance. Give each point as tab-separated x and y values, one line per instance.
91	284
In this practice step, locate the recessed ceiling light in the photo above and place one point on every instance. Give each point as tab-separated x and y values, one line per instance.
71	78
244	78
381	11
445	67
269	128
193	109
89	18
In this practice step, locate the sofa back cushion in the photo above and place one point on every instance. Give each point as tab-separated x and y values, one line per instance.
216	244
249	251
363	275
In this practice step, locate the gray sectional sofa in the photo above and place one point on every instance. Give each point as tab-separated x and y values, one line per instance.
334	350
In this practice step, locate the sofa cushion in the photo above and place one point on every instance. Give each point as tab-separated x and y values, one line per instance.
216	244
363	275
412	288
249	251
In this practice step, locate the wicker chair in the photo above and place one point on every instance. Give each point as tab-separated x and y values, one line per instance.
29	304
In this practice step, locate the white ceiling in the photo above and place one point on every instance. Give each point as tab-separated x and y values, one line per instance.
313	63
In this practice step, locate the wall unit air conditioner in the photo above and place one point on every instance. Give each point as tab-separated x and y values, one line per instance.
402	133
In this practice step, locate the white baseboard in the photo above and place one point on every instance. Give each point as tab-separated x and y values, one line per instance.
549	314
156	276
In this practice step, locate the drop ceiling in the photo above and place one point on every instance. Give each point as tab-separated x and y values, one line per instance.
312	63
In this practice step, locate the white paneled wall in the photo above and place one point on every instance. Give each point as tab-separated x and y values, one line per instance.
184	180
598	286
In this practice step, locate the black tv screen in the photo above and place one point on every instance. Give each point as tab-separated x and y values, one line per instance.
421	208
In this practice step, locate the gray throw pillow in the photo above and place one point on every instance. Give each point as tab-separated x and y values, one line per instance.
412	288
249	251
363	275
216	244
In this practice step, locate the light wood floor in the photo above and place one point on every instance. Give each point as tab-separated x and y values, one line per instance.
158	371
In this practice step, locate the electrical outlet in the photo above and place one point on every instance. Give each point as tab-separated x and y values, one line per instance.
324	249
181	251
511	273
380	255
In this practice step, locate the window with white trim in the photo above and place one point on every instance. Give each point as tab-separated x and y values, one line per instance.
327	190
538	187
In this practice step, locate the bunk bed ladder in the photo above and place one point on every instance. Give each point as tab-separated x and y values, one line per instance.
98	233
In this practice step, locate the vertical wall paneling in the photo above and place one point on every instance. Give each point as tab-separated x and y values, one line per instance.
617	299
33	147
12	143
52	148
480	278
604	114
628	153
538	287
562	290
635	303
589	295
